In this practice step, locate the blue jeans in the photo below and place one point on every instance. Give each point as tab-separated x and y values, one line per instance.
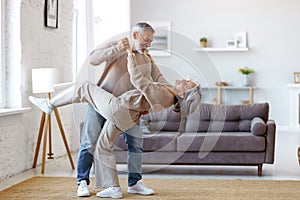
90	133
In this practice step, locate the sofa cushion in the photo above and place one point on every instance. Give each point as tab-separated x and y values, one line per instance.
167	120
220	141
226	118
258	126
166	141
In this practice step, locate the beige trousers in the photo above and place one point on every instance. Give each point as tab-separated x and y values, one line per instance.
110	107
107	105
106	174
85	92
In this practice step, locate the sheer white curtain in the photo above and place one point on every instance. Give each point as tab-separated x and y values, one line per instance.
96	22
11	46
111	19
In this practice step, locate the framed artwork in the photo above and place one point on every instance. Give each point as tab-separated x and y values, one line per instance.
161	45
51	13
297	77
241	39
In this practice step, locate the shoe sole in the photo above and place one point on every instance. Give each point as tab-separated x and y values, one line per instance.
33	101
83	195
138	192
109	196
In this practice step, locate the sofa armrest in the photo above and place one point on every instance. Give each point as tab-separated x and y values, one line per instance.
270	141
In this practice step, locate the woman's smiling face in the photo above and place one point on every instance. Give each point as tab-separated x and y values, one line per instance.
183	85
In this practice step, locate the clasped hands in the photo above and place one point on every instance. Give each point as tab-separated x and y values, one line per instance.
124	45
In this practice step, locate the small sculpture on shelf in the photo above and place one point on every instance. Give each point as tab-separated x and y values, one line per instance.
222	83
245	102
214	101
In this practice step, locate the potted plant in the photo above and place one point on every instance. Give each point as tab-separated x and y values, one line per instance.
203	42
246	72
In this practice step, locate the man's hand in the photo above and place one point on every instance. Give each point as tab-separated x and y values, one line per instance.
123	44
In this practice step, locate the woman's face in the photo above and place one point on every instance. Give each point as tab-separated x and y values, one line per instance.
183	85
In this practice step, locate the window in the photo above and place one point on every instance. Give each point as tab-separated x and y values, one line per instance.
110	20
2	78
11	76
96	22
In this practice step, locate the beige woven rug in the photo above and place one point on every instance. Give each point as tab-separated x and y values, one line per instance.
65	188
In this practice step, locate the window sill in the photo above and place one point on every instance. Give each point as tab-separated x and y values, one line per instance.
13	111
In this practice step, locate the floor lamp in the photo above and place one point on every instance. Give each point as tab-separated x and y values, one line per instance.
43	81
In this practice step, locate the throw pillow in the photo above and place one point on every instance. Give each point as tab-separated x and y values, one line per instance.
258	126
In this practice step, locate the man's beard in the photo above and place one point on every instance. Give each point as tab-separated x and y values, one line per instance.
139	48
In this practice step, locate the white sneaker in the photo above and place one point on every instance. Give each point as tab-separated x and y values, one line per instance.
111	192
83	190
140	188
144	125
145	129
42	103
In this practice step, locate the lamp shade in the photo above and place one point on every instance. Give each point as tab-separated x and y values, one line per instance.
44	79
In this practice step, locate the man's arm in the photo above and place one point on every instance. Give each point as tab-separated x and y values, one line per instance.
108	52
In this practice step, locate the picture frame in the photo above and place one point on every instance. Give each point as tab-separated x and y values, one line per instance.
241	39
297	77
231	44
51	13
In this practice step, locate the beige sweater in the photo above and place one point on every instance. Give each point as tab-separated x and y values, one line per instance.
149	96
128	102
115	78
157	95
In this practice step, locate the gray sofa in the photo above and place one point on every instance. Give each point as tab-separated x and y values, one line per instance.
212	135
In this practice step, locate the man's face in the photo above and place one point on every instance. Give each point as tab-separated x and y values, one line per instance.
143	40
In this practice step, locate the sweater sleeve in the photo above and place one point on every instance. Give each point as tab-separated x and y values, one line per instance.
107	52
156	75
155	93
136	76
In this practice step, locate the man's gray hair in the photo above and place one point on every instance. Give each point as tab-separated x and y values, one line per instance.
141	27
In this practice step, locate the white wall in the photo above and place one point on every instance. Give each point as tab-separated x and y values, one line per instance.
273	38
40	47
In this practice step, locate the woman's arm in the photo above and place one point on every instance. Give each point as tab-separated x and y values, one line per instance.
155	93
156	75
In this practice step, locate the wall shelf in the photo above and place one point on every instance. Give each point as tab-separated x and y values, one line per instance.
229	87
220	88
211	49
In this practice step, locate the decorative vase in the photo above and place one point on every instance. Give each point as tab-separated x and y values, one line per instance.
246	80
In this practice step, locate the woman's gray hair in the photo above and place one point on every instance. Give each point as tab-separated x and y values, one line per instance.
141	27
191	101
